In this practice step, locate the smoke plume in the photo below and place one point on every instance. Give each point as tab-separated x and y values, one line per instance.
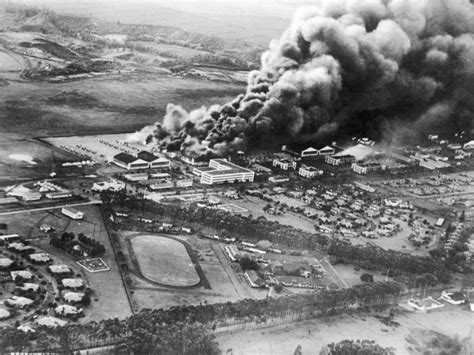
343	67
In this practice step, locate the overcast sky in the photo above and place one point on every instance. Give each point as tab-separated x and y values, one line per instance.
282	8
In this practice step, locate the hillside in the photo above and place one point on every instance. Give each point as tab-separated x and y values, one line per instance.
151	39
68	75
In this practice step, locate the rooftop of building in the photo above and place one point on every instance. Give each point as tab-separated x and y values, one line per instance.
345	156
150	157
125	158
309	168
225	167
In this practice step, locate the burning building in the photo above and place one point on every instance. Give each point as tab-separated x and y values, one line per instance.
383	68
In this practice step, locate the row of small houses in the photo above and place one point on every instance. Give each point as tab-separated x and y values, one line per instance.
62	273
453	237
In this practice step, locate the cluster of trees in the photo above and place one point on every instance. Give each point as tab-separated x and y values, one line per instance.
141	338
369	257
52	22
219	60
358	347
91	246
67	242
247	263
233	225
185	329
454	256
372	257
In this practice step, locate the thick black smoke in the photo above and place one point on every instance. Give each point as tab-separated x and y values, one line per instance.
343	67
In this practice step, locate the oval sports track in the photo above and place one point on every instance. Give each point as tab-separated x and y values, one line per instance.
165	261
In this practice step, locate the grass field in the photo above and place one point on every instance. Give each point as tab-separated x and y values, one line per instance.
164	260
10	61
254	207
224	283
102	105
42	154
314	334
230	207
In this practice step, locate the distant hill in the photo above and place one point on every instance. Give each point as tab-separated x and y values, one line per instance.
22	18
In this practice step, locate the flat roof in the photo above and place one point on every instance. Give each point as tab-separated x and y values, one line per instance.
205	168
71	209
8	236
225	168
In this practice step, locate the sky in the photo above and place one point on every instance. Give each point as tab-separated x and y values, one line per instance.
281	8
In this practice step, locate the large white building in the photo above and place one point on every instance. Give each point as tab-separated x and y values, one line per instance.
364	168
338	160
309	172
469	145
220	170
309	152
327	150
284	164
129	162
72	213
313	152
154	161
143	160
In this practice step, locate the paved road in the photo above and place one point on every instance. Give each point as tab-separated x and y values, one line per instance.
330	269
59	205
239	288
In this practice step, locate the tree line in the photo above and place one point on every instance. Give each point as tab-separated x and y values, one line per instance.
373	257
248	228
187	329
237	226
358	347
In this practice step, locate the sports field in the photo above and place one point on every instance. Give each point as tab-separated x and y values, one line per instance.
164	260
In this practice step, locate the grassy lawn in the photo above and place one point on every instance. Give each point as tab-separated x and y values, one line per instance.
164	260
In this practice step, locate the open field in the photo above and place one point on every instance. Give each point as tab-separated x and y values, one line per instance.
352	277
102	105
232	208
10	61
164	260
43	156
171	49
98	151
224	284
314	334
254	207
95	106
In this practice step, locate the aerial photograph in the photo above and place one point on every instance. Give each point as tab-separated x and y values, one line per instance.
251	177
